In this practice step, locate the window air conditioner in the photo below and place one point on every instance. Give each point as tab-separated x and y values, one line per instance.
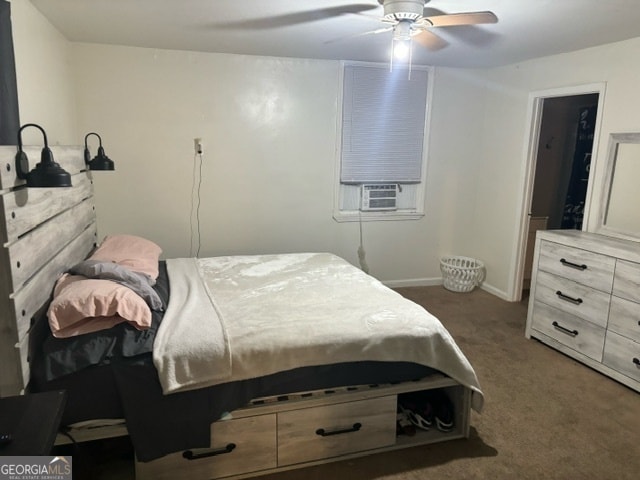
379	197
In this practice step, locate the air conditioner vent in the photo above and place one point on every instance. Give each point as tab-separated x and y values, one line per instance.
379	197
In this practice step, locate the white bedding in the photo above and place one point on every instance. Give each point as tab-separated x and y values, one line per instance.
241	317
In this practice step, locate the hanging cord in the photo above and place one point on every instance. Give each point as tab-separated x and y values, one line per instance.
193	184
195	192
361	252
198	206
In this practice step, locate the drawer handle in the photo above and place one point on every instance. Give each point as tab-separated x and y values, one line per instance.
189	455
573	333
323	433
567	263
567	298
636	360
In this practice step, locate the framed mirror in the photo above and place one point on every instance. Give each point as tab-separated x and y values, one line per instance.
619	212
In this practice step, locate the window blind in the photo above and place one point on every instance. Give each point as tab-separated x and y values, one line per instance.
383	122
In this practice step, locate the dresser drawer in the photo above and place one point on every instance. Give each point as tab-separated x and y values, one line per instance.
329	431
572	297
577	334
237	446
588	268
626	282
624	318
622	355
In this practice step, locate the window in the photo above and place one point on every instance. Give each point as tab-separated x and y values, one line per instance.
382	131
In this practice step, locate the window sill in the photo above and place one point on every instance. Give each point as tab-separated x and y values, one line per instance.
356	216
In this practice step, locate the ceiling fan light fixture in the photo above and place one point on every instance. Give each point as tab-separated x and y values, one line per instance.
401	43
402	31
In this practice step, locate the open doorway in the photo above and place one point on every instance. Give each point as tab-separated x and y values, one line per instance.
563	160
558	189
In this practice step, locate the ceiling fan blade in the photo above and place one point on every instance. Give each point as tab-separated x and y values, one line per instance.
371	32
429	40
456	19
276	21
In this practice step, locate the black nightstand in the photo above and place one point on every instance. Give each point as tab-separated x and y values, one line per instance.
32	420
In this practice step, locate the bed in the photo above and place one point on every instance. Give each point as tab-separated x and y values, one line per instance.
280	361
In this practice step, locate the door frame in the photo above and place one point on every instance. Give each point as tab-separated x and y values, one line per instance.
530	155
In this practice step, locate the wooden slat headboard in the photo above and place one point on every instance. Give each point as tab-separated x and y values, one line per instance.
43	232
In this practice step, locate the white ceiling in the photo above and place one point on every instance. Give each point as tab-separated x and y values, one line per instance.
286	28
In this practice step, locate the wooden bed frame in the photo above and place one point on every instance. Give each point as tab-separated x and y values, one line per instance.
45	231
309	429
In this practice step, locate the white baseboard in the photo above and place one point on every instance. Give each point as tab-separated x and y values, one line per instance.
495	291
414	282
430	282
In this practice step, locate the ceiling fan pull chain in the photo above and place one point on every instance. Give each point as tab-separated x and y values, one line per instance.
391	56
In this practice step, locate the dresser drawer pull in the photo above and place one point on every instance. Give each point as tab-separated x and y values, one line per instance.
566	263
189	455
636	360
573	333
567	298
323	433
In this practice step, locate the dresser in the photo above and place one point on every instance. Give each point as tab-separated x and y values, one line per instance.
585	300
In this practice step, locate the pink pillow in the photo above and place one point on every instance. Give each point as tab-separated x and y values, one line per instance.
136	253
82	305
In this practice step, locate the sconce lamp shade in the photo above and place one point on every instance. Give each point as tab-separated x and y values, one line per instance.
100	161
47	173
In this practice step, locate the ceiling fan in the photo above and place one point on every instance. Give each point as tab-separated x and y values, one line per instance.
409	21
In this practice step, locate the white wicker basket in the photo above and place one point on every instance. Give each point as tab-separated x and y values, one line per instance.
461	274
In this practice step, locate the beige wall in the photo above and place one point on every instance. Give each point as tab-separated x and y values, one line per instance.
44	74
505	121
268	126
269	132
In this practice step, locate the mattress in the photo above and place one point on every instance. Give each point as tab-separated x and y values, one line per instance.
239	317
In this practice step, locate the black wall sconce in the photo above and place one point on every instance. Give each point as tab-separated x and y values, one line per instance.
100	161
47	173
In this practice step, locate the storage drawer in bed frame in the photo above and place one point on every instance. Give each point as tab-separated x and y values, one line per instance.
309	429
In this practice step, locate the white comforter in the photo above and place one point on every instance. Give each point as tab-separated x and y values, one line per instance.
241	317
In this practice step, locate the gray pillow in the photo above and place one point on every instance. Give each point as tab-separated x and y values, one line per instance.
138	282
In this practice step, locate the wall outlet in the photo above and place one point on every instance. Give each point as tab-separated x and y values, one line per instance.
197	145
